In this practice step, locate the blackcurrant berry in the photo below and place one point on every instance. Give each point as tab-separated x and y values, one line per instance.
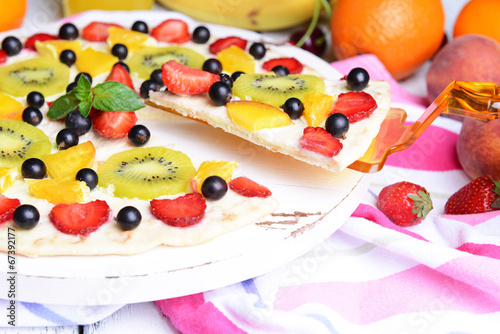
212	65
293	107
157	78
85	74
75	121
11	45
280	70
220	93
120	51
68	31
226	78
236	75
357	79
32	115
257	50
66	138
33	168
146	86
67	57
26	216
214	187
139	135
89	176
71	86
128	218
140	26
35	99
337	125
201	35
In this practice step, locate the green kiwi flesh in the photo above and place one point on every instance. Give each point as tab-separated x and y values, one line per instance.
145	61
146	173
275	90
43	74
20	141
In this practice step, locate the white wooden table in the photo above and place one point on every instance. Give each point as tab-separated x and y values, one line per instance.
146	317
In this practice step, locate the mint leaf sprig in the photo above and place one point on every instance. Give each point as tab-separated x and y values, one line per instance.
106	96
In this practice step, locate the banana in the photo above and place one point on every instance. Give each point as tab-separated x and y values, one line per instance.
256	15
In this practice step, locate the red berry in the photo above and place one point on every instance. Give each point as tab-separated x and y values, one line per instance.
292	64
319	140
171	31
98	31
248	188
119	74
182	211
478	196
3	56
182	79
224	43
79	218
355	105
30	42
113	124
7	207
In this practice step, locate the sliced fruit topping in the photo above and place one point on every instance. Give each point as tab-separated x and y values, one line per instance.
146	173
20	141
133	40
113	124
120	74
57	192
248	188
7	208
10	108
145	61
255	116
41	37
53	48
171	31
234	59
78	218
182	211
224	43
223	169
94	62
293	65
317	107
275	90
7	177
64	165
98	31
3	57
182	79
43	74
355	105
318	140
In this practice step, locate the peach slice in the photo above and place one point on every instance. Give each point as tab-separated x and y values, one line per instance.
59	192
223	169
64	165
235	59
317	107
255	116
133	40
54	48
95	62
10	108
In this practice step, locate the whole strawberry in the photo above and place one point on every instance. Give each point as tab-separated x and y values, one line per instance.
478	196
405	203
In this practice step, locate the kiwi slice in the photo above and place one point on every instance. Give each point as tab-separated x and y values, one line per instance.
275	90
43	74
146	60
20	141
146	173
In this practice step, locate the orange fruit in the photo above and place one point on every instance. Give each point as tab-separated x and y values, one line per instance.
12	14
403	34
478	17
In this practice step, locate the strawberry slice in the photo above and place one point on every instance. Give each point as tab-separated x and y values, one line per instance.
182	211
119	74
42	37
98	31
79	218
7	208
294	66
248	188
226	42
319	140
3	56
182	79
355	105
113	124
171	31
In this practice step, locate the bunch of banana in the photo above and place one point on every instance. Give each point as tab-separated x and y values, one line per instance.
259	15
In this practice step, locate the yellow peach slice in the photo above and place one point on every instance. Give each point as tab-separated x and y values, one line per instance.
54	48
223	169
255	116
7	177
59	192
235	59
10	108
133	40
317	107
95	62
64	165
